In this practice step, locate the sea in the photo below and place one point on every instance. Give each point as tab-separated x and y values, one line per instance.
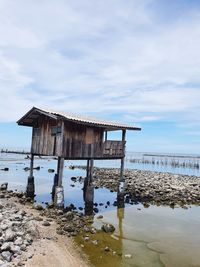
156	236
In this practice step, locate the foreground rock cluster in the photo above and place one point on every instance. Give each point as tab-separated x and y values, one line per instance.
19	228
153	187
17	232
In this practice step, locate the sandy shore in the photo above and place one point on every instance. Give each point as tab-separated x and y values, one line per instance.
54	250
47	248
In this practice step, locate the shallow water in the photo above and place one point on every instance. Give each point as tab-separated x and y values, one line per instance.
157	236
154	236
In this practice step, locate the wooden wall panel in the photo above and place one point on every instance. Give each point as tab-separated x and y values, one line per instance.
76	141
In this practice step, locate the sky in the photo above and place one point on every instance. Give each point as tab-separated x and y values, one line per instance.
132	61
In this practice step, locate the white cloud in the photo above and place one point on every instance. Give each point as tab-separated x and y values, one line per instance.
99	57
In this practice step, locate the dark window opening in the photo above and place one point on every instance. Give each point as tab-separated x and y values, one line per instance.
55	130
37	131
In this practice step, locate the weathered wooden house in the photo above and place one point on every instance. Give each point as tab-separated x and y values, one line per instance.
69	136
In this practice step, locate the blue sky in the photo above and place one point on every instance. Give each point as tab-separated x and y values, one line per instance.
134	61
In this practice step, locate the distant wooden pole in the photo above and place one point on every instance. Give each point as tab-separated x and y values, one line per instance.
122	159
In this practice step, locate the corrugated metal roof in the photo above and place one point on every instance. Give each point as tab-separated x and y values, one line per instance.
79	118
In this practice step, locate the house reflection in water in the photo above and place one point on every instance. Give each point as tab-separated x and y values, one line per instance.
88	196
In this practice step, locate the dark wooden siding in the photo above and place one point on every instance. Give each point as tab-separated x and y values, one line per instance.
80	141
76	141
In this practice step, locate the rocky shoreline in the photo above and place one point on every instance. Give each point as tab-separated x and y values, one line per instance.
17	232
21	218
152	187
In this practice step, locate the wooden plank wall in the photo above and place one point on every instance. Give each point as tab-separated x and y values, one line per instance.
81	141
76	141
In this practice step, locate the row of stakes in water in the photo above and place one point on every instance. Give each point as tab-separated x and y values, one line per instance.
176	163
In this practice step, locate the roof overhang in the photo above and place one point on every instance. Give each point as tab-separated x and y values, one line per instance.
29	118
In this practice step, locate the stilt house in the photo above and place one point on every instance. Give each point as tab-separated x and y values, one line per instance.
69	136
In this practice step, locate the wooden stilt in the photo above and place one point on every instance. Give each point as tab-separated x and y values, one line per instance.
106	136
88	168
59	191
30	189
60	170
31	165
91	170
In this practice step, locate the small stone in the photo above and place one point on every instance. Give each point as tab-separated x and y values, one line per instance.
39	219
95	242
128	256
51	170
18	241
46	223
38	207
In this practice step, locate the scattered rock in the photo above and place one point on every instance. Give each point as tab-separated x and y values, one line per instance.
128	256
46	223
38	207
6	255
108	228
51	170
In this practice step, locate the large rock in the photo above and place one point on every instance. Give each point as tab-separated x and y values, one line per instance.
6	246
6	255
9	235
108	228
4	186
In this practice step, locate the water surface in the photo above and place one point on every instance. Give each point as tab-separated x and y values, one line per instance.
154	236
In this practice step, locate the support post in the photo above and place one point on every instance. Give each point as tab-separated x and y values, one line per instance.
122	159
59	191
30	189
88	168
106	136
91	170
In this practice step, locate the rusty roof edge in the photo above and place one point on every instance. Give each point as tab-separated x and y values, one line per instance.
82	119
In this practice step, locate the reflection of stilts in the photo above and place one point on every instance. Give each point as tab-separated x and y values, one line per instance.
30	189
120	214
88	196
